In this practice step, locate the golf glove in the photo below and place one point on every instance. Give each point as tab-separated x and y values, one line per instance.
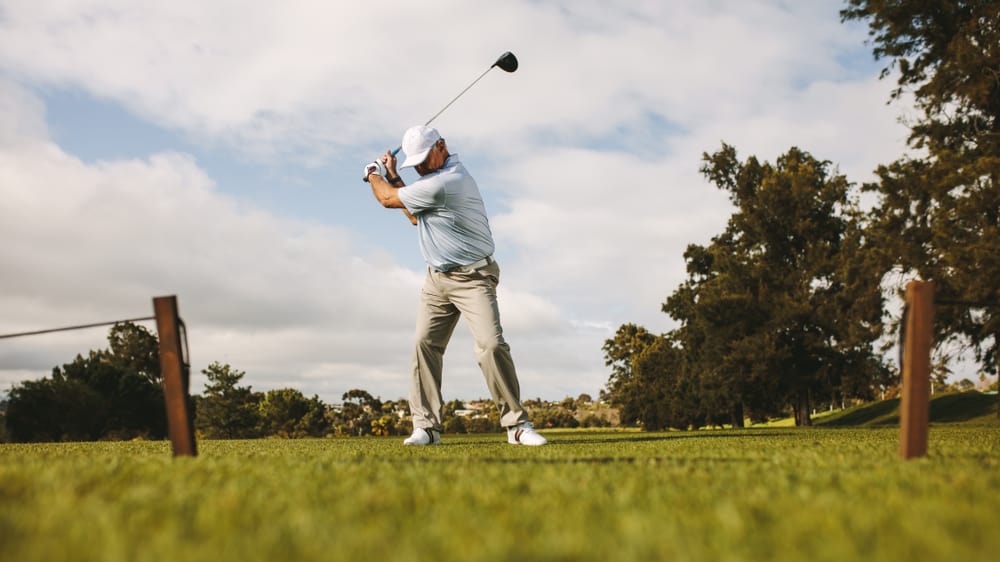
376	167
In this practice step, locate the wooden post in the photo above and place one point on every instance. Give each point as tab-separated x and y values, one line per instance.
915	403
175	377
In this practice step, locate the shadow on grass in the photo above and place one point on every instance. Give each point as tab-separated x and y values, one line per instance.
885	412
962	406
954	407
558	436
570	438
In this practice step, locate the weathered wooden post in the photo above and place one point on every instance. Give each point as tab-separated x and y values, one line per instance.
915	403
180	421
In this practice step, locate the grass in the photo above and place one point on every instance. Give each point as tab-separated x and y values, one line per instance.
972	406
755	494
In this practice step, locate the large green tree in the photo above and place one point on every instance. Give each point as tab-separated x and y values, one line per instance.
775	310
938	215
54	409
135	349
113	392
718	310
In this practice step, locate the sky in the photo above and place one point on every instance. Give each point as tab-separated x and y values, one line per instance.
214	151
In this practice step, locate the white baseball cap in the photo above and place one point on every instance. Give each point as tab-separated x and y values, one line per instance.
417	143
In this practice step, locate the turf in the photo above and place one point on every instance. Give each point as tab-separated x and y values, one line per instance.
726	495
971	406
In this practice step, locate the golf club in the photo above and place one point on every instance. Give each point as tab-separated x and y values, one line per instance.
507	62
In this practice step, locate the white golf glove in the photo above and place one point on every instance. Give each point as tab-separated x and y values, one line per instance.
376	167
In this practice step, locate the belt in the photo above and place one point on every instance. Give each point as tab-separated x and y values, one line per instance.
473	266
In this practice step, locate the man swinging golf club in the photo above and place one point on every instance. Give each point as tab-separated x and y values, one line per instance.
462	278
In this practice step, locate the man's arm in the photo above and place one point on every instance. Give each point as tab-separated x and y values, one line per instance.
388	195
386	191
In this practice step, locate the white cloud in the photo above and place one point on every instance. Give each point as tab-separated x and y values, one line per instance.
302	76
283	300
22	115
592	146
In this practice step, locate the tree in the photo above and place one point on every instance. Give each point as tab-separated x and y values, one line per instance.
938	212
671	395
228	411
359	410
281	410
453	424
776	309
362	398
135	349
620	352
113	393
315	422
484	423
390	424
133	404
55	409
646	383
553	415
125	396
719	310
286	412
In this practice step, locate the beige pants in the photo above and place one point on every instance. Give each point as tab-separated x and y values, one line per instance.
445	297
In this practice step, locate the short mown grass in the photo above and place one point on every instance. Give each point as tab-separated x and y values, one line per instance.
966	407
753	494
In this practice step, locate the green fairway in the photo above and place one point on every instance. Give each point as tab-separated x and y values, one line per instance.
972	407
756	494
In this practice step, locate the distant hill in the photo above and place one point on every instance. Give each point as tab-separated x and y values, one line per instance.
955	407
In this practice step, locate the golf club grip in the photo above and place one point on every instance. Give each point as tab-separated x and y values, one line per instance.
395	152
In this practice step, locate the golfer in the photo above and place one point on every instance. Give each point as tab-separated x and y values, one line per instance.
462	278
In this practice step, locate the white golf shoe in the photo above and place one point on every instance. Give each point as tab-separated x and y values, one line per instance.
524	434
423	436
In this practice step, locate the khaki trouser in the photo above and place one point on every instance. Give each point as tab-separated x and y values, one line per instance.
444	298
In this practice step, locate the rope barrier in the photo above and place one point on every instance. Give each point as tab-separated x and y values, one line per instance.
79	327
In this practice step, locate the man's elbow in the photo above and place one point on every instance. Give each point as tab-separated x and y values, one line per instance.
390	202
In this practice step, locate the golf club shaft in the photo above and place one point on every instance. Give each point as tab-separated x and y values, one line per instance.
394	152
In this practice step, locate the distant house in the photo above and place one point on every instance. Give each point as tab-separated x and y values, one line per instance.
472	409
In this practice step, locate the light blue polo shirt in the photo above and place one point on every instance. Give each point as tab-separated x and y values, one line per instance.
451	216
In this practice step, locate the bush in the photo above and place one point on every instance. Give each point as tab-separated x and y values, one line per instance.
482	424
593	420
55	409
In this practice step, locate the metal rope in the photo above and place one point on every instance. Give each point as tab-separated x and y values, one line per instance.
80	327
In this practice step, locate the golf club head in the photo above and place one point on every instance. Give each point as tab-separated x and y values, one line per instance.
507	62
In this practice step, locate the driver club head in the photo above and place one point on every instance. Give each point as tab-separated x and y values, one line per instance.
507	62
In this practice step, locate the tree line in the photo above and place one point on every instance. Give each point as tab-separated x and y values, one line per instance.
116	393
787	306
